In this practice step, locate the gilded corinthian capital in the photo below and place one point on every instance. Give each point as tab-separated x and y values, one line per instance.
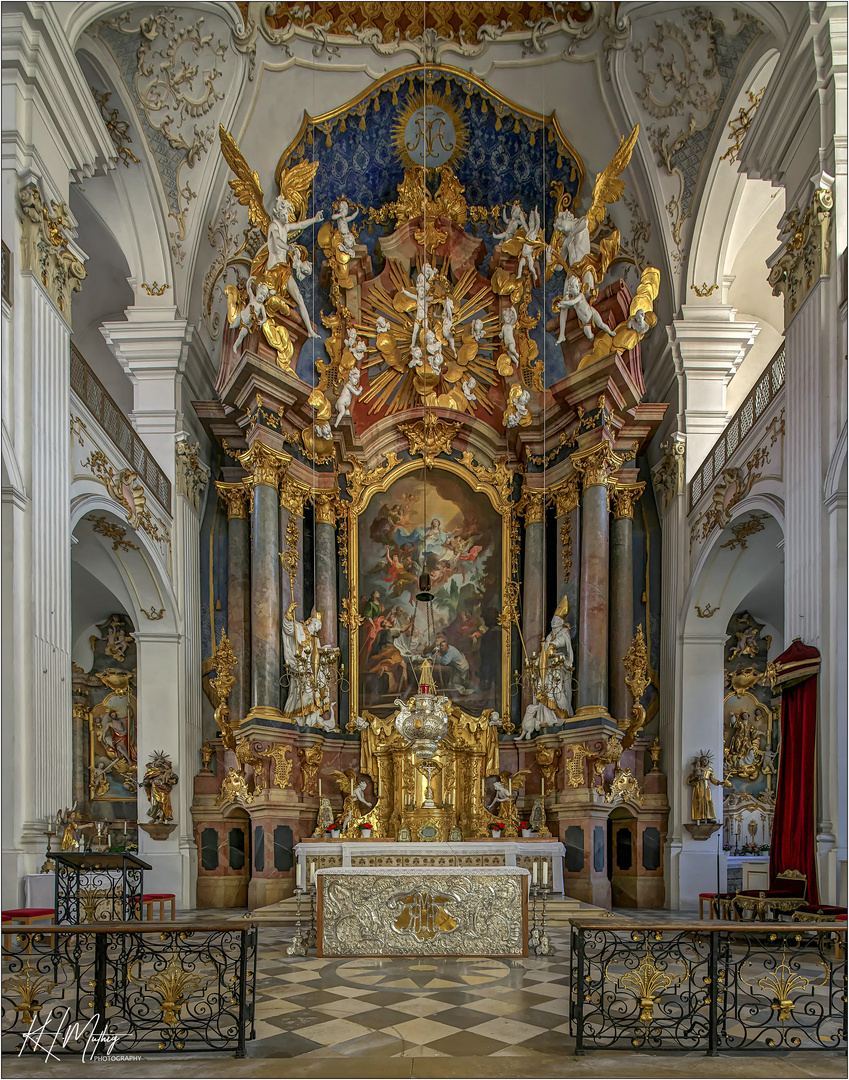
625	498
265	465
293	495
234	497
326	504
596	465
532	506
567	495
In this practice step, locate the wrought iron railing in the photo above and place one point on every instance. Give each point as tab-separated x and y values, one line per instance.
721	986
97	400
739	426
127	989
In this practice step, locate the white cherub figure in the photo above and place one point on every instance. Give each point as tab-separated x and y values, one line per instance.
323	431
516	218
415	357
359	350
350	390
469	389
478	332
253	315
422	298
520	408
382	325
588	317
344	219
638	323
351	337
433	347
526	260
448	322
508	321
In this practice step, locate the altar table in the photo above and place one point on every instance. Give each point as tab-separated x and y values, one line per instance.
321	854
416	911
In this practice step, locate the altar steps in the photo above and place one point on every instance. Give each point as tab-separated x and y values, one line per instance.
560	910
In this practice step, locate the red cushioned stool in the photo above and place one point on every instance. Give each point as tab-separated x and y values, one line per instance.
153	897
25	916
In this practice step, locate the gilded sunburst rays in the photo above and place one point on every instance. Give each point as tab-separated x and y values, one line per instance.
460	355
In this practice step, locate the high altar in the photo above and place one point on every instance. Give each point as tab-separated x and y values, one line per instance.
432	580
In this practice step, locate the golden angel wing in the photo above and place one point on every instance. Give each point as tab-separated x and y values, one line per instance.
295	184
246	186
343	779
608	187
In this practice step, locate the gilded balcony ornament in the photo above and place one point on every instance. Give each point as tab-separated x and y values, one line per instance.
264	464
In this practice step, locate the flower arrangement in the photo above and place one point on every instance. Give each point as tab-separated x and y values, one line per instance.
498	827
365	829
525	825
336	828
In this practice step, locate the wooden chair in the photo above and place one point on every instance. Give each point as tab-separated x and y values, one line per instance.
719	904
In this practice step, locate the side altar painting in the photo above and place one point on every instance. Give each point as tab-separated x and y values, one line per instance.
443	528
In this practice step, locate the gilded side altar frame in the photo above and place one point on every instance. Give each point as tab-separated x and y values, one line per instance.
502	506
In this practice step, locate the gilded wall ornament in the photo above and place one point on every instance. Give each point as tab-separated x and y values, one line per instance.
704	289
742	530
625	498
624	786
113	532
805	232
706	612
310	764
119	130
155	289
575	765
668	474
46	250
430	437
234	788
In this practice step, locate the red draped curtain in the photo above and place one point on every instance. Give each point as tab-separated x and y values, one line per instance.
795	824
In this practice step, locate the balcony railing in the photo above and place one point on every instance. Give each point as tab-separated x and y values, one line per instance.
739	426
97	400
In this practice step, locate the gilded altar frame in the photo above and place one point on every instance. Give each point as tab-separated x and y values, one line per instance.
378	481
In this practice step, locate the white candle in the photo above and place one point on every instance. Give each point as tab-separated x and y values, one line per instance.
379	788
510	785
319	790
301	868
536	861
545	872
352	785
312	873
125	830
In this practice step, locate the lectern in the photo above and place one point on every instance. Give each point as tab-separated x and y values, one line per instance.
99	887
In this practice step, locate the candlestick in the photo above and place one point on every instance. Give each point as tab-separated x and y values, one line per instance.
319	790
543	789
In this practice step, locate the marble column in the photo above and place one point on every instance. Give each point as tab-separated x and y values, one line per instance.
568	521
293	495
625	497
235	498
325	561
533	578
265	466
595	466
533	595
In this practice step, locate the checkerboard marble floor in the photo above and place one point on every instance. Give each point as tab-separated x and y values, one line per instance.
419	1007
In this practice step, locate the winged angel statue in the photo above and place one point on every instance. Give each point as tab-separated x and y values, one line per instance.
280	263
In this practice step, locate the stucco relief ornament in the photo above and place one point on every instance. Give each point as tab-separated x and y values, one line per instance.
280	263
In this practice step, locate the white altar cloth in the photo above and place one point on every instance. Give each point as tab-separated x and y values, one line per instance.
422	911
353	853
40	889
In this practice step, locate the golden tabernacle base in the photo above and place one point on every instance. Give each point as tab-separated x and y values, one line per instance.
408	911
